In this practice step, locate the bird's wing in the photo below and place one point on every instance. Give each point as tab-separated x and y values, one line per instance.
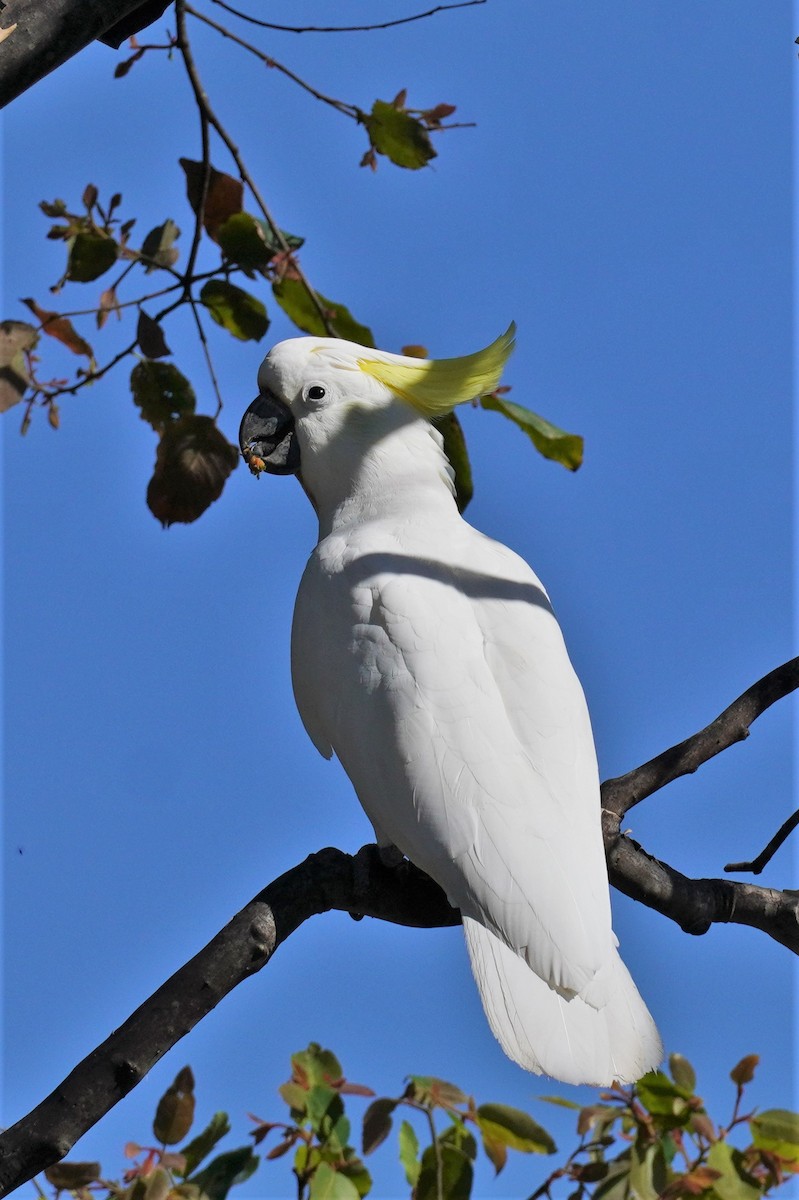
442	683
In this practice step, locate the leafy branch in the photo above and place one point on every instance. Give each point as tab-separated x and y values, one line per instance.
193	458
655	1141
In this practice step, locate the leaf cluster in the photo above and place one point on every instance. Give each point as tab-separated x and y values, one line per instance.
193	458
653	1141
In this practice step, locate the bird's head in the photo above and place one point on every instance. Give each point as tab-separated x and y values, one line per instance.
314	391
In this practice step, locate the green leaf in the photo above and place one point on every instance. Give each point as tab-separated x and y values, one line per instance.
355	1171
90	255
401	137
377	1124
223	1172
293	298
514	1128
409	1153
553	443
329	1184
616	1185
243	240
456	451
777	1130
456	1174
158	247
237	311
150	335
294	1095
175	1112
201	1146
316	1065
682	1072
733	1183
162	392
158	1185
430	1091
325	1110
561	1103
459	1136
647	1172
16	337
664	1098
496	1152
192	464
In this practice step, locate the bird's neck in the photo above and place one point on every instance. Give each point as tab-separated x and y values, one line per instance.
402	476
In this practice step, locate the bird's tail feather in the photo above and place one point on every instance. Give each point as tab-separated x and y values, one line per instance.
567	1038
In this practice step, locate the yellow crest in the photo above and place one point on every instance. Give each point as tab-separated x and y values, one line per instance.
435	386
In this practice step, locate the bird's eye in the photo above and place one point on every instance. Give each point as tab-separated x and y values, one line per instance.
315	392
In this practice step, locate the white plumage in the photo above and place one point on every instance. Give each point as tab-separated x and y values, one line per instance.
427	657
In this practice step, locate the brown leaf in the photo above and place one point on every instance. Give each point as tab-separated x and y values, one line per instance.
744	1071
400	98
90	195
223	198
439	113
108	304
192	464
61	329
415	351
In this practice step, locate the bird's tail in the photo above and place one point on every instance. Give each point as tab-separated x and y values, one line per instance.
565	1037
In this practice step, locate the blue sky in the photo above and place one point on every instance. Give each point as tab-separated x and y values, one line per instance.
626	198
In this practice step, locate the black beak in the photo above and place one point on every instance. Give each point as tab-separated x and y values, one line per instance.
268	438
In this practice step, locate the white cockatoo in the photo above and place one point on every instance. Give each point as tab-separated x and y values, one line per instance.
428	658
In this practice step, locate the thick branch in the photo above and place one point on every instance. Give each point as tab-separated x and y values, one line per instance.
329	879
48	32
363	885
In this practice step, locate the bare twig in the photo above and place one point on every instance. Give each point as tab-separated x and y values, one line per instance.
201	101
349	110
345	28
621	794
246	177
767	853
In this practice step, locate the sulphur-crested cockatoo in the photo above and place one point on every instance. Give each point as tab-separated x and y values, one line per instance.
428	658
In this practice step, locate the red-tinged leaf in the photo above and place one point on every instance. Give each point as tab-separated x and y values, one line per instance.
150	335
400	98
61	329
108	304
353	1089
369	160
744	1071
223	197
193	462
90	195
439	113
53	415
282	1147
131	1149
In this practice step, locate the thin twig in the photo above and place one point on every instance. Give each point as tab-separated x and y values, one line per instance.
207	353
345	28
277	232
349	110
200	98
621	794
768	852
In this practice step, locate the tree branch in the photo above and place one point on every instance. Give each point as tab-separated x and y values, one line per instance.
420	16
47	34
364	886
621	794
